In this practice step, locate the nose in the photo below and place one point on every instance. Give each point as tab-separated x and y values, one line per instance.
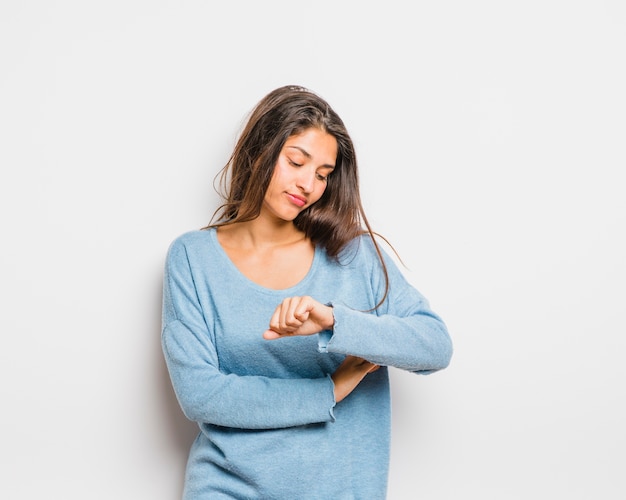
306	180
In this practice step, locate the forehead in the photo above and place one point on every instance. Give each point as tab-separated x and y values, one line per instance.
316	144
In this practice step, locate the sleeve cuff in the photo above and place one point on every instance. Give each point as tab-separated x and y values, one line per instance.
323	338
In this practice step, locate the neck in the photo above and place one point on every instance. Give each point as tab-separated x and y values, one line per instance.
261	233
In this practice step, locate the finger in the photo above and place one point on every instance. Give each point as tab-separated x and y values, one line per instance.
290	318
280	321
298	312
275	319
303	308
271	335
288	323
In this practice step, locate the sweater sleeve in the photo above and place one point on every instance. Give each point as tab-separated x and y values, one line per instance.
207	395
403	332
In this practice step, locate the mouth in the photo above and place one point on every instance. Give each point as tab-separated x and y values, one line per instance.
296	200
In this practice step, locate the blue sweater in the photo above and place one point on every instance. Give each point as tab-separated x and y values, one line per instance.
269	425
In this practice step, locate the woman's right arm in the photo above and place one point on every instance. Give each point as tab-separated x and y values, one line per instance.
249	402
206	394
349	374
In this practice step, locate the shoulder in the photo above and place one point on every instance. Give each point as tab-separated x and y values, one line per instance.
194	237
360	257
362	249
190	242
372	255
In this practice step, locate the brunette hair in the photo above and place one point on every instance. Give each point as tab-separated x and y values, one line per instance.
338	216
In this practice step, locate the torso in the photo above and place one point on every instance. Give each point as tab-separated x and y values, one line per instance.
234	313
275	266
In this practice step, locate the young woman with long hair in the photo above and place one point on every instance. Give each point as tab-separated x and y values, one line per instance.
282	316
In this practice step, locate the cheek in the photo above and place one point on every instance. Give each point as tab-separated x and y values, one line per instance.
319	191
279	174
276	180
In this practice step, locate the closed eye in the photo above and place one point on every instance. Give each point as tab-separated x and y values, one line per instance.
293	163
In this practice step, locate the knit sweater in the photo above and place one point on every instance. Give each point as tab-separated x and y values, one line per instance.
269	425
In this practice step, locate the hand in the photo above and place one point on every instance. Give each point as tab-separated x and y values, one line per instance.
349	374
299	316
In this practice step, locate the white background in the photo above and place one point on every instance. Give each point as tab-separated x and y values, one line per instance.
491	139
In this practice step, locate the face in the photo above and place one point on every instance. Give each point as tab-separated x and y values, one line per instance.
299	179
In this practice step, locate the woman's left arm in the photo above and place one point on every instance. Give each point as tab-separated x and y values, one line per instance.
403	332
410	336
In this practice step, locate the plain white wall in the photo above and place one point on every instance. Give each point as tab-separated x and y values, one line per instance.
491	137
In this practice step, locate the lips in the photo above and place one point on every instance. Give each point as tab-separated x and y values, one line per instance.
296	200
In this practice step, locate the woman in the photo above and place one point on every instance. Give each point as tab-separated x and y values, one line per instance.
281	318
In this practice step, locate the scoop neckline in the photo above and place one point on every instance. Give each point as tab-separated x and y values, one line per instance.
253	284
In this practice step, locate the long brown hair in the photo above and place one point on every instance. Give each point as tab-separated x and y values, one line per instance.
338	216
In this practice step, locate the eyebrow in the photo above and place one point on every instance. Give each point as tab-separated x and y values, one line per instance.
308	155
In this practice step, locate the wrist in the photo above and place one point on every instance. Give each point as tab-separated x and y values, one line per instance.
330	325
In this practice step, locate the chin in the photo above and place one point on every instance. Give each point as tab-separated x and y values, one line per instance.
290	214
